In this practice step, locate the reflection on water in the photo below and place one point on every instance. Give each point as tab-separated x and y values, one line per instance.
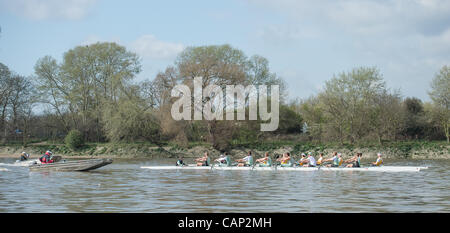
124	187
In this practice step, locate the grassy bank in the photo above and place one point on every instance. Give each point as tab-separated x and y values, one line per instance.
405	149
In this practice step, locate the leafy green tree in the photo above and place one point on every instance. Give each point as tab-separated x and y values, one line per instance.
386	117
313	113
5	93
222	65
130	119
292	122
440	94
414	113
347	99
89	78
74	140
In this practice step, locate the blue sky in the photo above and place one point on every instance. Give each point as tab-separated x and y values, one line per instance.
306	42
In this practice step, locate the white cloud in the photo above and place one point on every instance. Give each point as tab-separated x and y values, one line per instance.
92	39
365	17
148	46
48	9
407	39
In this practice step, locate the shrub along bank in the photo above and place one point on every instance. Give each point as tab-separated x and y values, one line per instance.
404	150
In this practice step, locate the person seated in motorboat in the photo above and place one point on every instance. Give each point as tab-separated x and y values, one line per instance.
266	161
203	161
224	160
379	161
47	157
286	160
24	156
247	161
180	162
310	161
355	161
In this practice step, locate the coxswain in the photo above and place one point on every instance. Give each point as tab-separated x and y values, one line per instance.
180	162
379	161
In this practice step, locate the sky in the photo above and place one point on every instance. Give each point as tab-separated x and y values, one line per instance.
306	42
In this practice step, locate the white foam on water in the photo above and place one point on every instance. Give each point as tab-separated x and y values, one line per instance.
2	169
21	163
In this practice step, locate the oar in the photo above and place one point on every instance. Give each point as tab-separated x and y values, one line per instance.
367	164
324	164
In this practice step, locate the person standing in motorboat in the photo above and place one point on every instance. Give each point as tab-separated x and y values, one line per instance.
24	156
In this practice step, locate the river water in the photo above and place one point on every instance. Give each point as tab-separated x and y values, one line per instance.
124	187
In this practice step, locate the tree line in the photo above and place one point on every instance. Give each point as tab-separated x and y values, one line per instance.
357	106
94	90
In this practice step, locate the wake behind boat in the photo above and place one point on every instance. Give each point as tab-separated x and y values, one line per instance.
19	163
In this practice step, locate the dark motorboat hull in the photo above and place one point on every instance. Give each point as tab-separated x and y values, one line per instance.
80	165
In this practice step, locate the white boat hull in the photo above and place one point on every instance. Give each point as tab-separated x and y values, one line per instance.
376	169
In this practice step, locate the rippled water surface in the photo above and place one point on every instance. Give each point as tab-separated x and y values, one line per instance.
124	187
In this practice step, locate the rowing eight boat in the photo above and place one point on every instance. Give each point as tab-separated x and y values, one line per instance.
278	168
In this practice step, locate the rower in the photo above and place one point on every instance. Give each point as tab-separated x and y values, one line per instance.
355	161
303	160
330	159
180	162
24	156
340	159
266	161
203	161
286	160
47	157
311	161
224	160
336	159
247	161
319	161
379	161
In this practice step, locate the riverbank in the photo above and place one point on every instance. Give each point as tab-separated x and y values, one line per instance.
407	149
